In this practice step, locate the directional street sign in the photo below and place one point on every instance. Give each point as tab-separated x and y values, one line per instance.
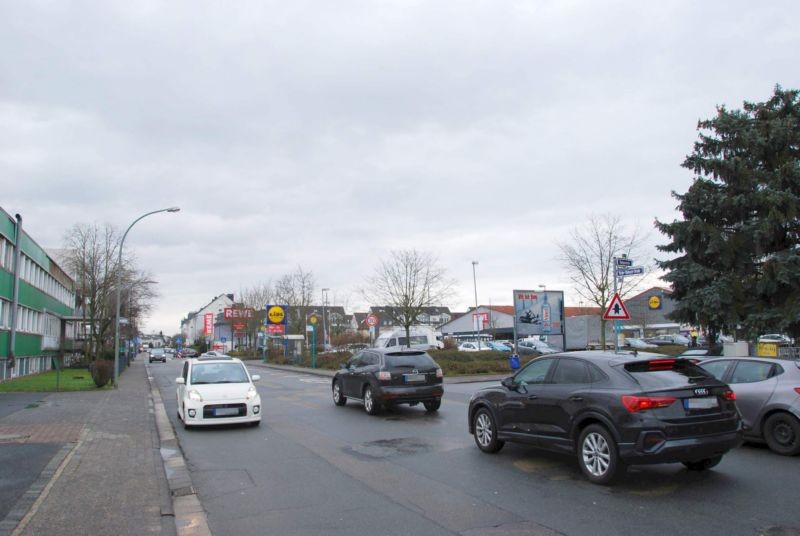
633	270
623	262
616	310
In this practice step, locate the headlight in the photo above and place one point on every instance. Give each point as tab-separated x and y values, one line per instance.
252	393
194	395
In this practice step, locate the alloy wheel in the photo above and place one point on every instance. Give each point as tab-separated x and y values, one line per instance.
368	402
483	430
596	454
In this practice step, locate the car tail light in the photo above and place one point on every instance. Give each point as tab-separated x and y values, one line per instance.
797	390
729	395
641	403
439	373
662	364
384	375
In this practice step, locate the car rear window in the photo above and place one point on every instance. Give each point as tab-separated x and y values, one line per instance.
666	373
409	359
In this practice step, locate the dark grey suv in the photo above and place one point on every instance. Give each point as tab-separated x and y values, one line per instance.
611	410
380	378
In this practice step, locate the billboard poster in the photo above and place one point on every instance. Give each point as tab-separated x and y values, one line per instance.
208	324
538	313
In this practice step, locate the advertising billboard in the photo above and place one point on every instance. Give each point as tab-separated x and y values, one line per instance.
208	324
538	313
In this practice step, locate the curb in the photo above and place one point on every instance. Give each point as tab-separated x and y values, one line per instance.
190	518
330	373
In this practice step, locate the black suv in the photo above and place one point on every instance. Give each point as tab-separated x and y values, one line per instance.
379	378
611	410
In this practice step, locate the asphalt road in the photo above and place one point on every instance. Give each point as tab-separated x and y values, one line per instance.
314	468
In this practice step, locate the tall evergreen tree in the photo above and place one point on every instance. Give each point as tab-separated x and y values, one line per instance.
738	244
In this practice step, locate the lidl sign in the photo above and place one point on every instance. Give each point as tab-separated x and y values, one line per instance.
276	314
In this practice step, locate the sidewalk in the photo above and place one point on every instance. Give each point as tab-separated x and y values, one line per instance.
108	477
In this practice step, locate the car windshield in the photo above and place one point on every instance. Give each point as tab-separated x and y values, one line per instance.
409	360
157	351
218	373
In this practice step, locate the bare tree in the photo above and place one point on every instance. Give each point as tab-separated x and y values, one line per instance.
256	297
296	290
589	259
408	282
92	257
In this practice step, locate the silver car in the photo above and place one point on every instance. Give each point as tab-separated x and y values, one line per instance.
767	395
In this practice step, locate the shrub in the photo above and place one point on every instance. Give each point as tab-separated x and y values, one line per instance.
102	370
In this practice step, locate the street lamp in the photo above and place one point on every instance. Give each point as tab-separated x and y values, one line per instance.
475	286
543	287
324	329
119	285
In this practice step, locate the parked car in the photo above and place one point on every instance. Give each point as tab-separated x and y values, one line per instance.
533	345
776	338
496	346
639	344
697	354
610	410
187	353
471	347
217	390
669	339
768	396
385	378
214	353
157	354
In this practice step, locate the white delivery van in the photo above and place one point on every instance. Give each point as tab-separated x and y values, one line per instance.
422	338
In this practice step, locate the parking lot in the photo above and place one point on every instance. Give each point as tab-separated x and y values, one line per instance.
314	468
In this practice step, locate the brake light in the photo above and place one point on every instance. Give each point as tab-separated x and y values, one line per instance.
384	375
439	373
641	403
797	390
661	364
729	395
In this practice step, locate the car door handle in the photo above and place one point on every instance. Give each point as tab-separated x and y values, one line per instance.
532	397
576	398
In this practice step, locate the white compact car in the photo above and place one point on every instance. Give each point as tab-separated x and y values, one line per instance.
217	390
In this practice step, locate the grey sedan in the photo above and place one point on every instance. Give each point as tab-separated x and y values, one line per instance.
767	395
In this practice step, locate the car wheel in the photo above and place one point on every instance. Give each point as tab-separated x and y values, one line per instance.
370	404
485	431
151	361
338	398
430	407
702	465
782	434
598	455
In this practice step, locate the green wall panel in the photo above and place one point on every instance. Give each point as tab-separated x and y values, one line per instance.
7	225
6	285
27	344
36	299
32	250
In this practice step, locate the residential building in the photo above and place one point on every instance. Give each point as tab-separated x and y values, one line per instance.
192	325
43	324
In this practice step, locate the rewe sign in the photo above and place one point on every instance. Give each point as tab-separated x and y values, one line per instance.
236	313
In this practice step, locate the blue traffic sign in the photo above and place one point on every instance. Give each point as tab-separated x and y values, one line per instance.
635	270
223	339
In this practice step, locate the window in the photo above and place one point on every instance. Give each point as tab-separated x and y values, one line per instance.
571	371
716	368
370	359
751	372
535	372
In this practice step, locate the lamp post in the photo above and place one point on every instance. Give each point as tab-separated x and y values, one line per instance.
475	286
543	287
119	285
324	323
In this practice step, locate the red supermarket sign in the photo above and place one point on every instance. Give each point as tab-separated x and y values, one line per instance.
208	324
276	329
235	312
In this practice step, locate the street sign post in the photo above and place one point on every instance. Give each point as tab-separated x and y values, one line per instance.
616	310
633	270
621	261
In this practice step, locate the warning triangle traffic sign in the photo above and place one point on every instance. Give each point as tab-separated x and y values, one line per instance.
616	310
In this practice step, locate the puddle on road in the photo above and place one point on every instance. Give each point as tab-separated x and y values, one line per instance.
388	448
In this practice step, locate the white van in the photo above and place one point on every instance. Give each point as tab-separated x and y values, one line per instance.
421	339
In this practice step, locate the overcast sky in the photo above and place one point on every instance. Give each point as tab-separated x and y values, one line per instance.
326	134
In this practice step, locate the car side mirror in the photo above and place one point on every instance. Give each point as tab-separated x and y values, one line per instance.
255	377
509	383
180	381
343	366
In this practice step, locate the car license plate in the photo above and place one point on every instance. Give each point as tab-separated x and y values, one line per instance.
411	378
220	412
707	402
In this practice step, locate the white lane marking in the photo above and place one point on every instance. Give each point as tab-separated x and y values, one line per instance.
315	380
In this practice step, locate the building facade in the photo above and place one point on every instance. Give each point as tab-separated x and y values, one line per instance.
41	326
192	325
